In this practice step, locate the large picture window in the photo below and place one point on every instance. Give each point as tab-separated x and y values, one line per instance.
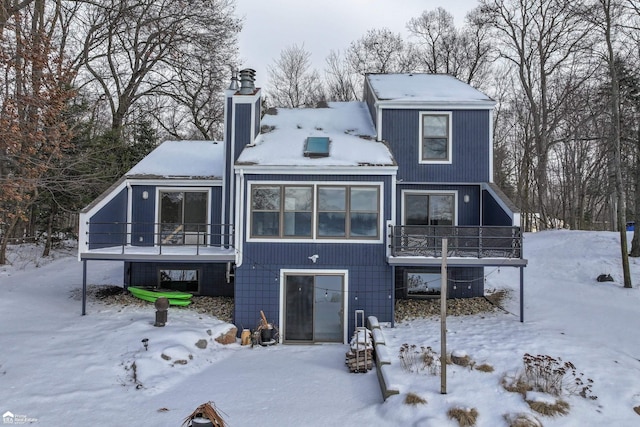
429	209
183	217
435	137
340	212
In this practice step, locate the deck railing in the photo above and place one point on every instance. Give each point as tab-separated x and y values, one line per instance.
462	241
139	234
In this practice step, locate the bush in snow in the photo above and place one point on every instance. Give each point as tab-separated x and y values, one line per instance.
414	359
414	399
522	420
543	373
464	416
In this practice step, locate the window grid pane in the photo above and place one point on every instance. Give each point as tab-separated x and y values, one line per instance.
435	137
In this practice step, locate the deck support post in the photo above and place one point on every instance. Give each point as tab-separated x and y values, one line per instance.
84	287
521	294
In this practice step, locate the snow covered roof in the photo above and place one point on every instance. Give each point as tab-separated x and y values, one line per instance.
426	89
348	126
180	159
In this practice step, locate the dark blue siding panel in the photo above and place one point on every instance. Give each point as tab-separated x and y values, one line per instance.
492	212
143	215
216	213
463	282
258	279
470	129
242	128
228	174
370	100
115	214
256	130
212	276
468	213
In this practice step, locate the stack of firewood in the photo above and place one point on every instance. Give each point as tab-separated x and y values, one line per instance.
359	358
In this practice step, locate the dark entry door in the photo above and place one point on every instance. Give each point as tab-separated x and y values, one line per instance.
314	308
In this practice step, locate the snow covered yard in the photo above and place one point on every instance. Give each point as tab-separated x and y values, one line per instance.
59	368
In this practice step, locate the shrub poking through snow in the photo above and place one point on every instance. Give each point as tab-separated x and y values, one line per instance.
522	420
484	367
414	399
414	359
549	375
461	358
546	404
465	417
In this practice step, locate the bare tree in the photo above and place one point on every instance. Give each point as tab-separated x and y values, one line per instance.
542	40
380	51
340	80
293	84
132	47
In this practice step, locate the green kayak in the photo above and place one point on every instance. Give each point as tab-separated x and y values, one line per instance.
174	297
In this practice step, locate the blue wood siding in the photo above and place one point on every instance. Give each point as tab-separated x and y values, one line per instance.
492	212
215	205
370	100
257	286
212	275
112	234
463	282
257	109
242	124
470	150
370	277
228	173
468	213
143	215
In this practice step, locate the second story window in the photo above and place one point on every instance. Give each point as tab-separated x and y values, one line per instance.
281	211
435	137
429	208
338	211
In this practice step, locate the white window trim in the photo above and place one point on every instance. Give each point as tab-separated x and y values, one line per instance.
315	272
314	238
159	190
429	192
449	159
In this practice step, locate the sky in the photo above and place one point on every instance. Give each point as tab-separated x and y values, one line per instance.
321	26
58	368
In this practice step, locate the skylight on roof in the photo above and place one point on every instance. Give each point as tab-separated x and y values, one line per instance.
316	146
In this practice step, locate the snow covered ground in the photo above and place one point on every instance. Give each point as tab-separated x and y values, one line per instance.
58	368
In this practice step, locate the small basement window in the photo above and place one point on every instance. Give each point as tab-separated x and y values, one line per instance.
423	284
179	280
316	146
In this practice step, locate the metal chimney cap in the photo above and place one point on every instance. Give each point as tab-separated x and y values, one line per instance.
247	81
234	80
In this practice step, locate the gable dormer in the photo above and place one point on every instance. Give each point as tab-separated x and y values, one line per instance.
439	128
